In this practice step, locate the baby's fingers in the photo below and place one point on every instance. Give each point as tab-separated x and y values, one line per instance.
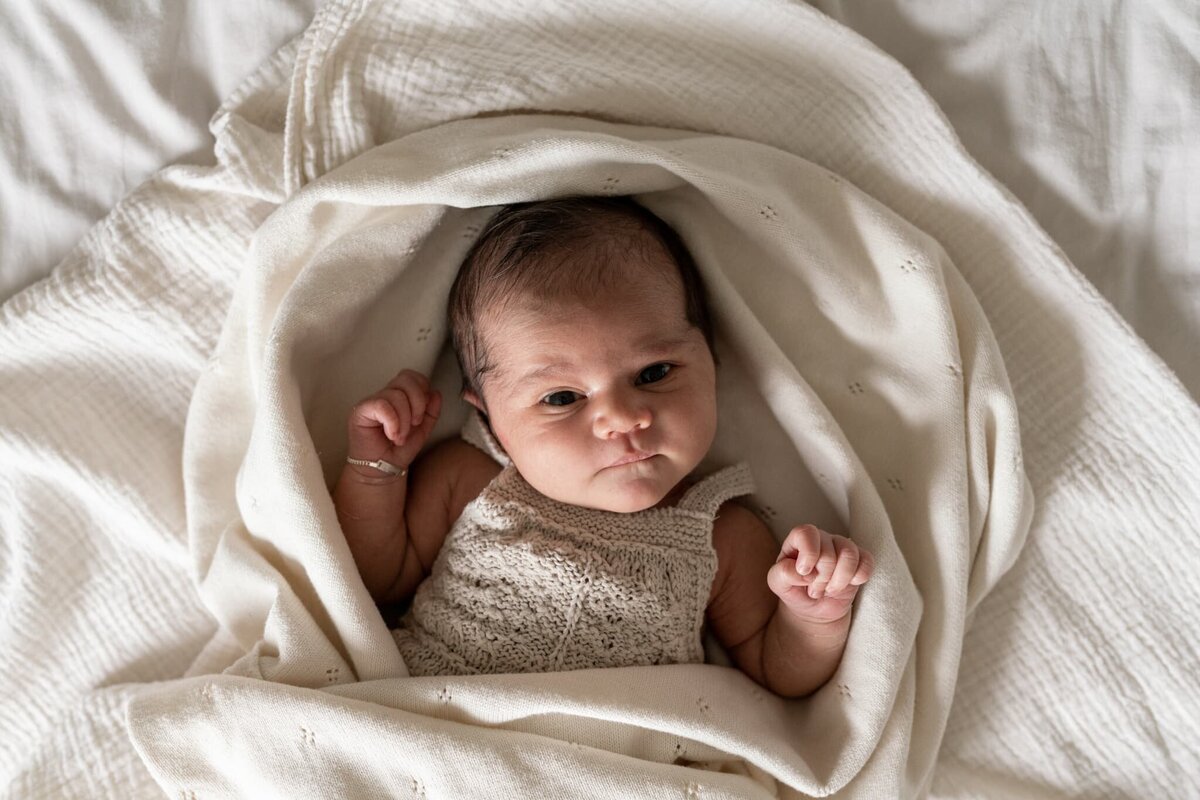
433	409
848	557
803	543
782	577
866	565
376	412
418	402
409	380
398	402
826	562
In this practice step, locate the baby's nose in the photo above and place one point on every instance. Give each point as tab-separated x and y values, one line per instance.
622	414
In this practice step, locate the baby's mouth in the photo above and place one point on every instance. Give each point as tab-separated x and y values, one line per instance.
630	458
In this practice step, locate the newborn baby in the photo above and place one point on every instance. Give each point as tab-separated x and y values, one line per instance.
566	529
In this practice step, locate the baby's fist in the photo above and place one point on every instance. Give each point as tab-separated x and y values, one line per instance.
818	574
394	423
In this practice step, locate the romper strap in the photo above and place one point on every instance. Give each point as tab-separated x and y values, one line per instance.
710	492
475	431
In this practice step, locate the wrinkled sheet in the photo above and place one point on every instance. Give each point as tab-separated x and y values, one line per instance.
1087	112
1084	110
98	96
107	599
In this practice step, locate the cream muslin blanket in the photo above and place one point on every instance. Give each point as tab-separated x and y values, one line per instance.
870	286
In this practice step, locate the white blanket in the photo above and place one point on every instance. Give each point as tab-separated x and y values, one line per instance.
1081	108
1086	110
863	380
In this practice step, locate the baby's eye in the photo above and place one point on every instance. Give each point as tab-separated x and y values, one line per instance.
653	373
563	398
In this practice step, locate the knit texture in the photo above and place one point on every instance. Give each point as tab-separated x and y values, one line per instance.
524	583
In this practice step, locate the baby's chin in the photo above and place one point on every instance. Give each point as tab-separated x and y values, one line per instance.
631	504
629	497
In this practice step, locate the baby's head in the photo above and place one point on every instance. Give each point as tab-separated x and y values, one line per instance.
583	335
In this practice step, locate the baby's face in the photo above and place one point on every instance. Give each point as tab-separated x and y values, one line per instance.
608	405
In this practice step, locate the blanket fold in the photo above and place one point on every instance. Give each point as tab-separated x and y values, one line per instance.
857	357
874	292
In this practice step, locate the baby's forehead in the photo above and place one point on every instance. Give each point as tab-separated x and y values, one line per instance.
605	262
655	289
644	312
626	261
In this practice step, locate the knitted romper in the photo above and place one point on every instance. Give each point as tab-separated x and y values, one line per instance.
524	583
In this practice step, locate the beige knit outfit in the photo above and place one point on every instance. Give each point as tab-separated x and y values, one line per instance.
524	583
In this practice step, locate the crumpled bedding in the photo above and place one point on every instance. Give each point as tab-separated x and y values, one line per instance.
886	309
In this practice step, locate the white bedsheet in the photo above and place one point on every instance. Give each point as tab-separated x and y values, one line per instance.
1078	678
1089	112
98	95
1086	110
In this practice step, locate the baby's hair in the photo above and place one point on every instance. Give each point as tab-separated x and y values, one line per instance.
534	249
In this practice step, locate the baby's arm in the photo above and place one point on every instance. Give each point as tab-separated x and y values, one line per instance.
761	609
395	524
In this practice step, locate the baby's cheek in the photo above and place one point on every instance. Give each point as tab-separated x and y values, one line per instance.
555	468
696	426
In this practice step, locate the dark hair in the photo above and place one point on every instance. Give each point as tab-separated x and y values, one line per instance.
526	246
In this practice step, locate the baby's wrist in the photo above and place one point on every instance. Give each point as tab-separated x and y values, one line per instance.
799	654
369	476
379	465
820	627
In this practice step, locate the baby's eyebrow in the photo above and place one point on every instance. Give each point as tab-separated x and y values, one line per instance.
546	369
647	348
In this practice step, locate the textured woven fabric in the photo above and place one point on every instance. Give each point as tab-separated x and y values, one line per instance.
524	583
866	278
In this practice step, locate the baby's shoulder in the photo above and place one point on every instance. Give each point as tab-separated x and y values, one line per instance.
744	546
733	523
739	537
458	452
462	470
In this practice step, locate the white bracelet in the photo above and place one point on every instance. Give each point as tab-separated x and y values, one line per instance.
381	465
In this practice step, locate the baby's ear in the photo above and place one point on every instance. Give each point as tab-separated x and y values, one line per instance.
474	399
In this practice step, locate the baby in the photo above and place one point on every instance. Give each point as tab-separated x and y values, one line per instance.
565	529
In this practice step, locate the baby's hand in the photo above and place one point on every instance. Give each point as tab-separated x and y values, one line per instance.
394	424
818	574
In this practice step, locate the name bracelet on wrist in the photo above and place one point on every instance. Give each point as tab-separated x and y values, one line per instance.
381	465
